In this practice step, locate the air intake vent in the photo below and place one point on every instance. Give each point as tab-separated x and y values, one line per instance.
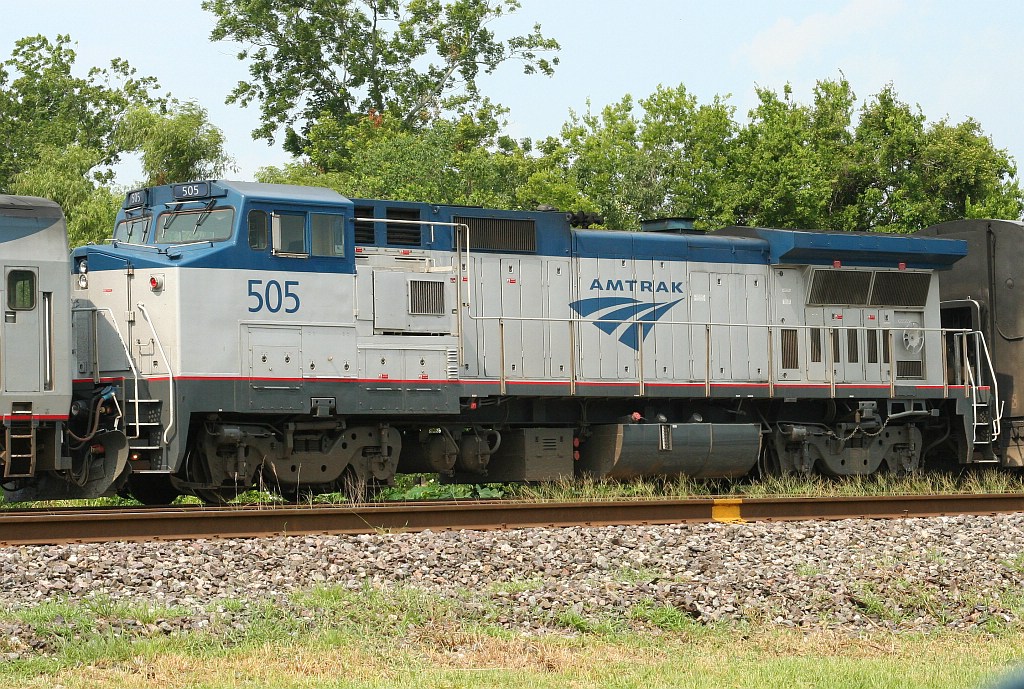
900	289
426	298
500	234
840	287
403	234
364	228
910	369
790	352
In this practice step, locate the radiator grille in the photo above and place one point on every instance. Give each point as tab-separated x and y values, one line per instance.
790	349
426	298
499	234
910	369
900	289
839	287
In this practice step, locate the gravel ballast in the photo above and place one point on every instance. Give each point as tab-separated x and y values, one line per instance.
855	575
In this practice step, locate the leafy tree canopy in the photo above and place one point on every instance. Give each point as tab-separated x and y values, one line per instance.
344	59
60	134
824	165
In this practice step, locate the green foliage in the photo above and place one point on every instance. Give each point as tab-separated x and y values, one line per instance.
60	134
821	165
343	59
454	162
58	131
63	174
44	106
431	489
176	146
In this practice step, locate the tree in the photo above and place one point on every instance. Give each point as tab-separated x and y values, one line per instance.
62	174
178	146
454	162
60	134
43	106
345	59
818	165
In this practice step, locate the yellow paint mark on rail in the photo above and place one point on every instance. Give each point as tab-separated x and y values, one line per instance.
726	510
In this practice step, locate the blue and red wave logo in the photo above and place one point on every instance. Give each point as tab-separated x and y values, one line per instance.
635	318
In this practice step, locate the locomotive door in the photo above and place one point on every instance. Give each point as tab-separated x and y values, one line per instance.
22	336
557	337
275	368
510	330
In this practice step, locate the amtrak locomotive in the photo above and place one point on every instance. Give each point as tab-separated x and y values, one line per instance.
237	334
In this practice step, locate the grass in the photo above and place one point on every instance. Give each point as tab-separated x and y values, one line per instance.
415	487
339	637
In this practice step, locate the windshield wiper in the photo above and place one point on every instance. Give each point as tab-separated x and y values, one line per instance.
203	216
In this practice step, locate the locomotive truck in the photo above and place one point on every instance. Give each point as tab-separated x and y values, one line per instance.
236	334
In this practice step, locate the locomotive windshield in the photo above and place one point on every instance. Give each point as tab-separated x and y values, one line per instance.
132	230
195	225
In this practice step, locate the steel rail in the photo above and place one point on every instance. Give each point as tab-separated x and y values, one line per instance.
49	526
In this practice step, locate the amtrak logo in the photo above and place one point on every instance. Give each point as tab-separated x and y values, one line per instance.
635	317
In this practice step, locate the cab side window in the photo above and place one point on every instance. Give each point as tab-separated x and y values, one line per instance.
290	234
258	230
328	234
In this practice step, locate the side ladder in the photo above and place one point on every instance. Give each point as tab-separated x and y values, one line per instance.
21	442
986	407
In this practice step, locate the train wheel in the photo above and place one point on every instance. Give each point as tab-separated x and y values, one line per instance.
150	489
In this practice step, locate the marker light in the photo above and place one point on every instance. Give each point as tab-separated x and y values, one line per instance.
156	282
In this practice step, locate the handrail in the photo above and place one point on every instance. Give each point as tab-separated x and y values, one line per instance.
170	371
770	329
128	356
997	418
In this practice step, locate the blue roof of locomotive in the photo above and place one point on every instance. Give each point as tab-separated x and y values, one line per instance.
801	247
762	246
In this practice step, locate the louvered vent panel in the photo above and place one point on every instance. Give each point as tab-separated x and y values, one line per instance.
910	369
901	289
846	287
402	234
364	228
872	346
790	351
500	234
452	363
426	298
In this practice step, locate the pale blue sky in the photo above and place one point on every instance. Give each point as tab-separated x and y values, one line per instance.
953	58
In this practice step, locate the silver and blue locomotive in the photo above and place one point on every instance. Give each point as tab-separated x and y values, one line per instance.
241	334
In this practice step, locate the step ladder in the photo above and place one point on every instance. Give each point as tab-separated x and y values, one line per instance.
144	428
986	407
21	442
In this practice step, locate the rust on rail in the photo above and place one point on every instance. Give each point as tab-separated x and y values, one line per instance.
41	526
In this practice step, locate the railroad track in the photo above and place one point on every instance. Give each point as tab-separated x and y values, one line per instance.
54	526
